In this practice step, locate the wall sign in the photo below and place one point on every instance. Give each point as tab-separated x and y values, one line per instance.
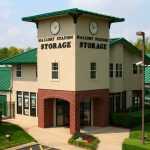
56	42
85	42
88	42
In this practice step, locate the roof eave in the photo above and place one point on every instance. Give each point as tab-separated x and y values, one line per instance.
34	20
15	63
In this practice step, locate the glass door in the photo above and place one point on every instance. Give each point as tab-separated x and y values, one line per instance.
85	113
62	113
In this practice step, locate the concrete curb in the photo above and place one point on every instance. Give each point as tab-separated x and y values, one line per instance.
22	146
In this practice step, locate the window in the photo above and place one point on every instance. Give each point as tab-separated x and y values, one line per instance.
18	71
54	70
19	102
117	70
135	69
33	104
118	102
26	103
120	70
111	70
93	70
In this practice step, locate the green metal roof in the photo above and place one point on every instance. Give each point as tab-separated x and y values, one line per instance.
147	75
29	57
74	11
5	79
126	43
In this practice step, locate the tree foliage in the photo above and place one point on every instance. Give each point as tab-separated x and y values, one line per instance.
9	52
139	44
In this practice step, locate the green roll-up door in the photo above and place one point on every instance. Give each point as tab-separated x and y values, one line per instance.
3	105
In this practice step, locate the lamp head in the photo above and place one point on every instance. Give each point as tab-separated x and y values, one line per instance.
140	33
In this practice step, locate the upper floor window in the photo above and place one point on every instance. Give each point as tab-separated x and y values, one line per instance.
55	71
93	70
135	69
19	71
117	70
111	70
120	70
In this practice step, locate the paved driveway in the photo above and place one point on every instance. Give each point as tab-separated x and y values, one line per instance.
111	138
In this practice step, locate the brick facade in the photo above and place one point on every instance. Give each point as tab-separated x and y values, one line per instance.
100	101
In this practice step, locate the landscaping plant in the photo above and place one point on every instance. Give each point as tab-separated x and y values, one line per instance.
84	140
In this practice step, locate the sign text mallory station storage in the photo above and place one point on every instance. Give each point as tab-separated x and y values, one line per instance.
77	75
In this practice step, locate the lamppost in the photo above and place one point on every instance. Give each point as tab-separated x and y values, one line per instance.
142	34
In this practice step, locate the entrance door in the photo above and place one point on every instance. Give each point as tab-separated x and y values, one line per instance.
85	113
62	113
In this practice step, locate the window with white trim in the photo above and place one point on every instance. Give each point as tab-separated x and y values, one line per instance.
18	71
19	102
93	70
55	71
33	104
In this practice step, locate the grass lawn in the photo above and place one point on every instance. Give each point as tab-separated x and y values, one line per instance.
18	136
133	142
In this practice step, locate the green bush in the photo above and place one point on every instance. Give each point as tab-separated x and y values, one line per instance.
137	108
90	145
134	144
129	119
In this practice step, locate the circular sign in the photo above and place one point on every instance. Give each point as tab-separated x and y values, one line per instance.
55	27
93	28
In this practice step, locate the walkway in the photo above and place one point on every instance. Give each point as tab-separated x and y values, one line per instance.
111	138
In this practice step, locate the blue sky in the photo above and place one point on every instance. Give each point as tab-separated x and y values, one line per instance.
15	32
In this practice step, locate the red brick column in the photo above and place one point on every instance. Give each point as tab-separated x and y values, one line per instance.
45	111
74	116
101	110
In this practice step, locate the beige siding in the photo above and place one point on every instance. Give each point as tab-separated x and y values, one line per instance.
116	56
74	62
131	81
65	57
28	81
85	56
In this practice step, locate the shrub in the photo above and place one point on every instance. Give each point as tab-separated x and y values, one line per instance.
134	144
84	140
129	119
137	108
